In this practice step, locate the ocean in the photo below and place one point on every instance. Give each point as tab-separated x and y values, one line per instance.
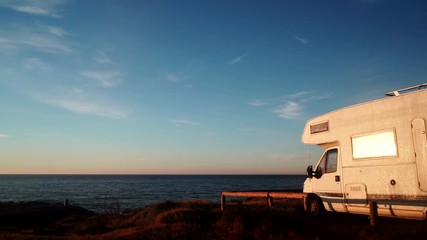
100	193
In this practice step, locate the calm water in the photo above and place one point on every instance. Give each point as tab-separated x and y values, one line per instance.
99	192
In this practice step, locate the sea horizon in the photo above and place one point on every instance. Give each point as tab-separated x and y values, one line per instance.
159	174
96	192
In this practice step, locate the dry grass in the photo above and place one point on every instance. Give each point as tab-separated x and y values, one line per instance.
203	220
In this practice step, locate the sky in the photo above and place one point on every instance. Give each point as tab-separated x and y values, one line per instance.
191	86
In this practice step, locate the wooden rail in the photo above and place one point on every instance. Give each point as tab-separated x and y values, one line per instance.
291	194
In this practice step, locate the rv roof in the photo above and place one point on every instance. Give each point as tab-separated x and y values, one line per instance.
403	90
372	116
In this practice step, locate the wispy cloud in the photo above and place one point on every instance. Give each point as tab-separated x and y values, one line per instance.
291	109
301	39
238	59
57	31
34	7
33	42
7	45
45	44
75	100
174	78
184	123
292	105
78	106
298	95
182	72
106	79
40	38
102	57
35	10
36	64
258	103
305	96
2	135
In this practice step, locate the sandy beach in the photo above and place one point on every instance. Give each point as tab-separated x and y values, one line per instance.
249	219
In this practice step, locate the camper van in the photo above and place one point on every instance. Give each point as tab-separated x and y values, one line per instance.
374	152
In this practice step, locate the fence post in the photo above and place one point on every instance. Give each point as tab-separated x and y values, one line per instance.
269	200
373	213
222	202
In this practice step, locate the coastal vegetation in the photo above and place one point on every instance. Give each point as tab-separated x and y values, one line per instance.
249	219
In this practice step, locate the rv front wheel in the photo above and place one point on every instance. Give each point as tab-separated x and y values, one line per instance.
314	206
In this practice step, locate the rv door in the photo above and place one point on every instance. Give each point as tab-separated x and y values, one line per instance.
327	180
420	143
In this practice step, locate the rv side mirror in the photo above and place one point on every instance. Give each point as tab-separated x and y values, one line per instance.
310	171
318	173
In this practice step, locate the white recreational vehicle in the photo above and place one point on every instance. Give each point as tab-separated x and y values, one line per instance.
373	152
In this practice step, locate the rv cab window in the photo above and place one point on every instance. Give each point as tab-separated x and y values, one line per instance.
328	164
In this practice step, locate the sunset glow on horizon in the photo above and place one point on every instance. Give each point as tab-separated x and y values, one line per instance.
191	87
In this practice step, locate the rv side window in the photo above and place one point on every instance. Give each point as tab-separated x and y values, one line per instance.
328	164
331	163
375	145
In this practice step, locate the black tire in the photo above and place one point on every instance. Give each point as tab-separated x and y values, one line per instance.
315	207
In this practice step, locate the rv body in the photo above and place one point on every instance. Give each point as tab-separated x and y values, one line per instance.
373	152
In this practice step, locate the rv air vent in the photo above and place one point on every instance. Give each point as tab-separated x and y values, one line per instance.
320	127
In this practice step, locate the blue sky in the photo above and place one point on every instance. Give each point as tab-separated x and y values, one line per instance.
147	87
